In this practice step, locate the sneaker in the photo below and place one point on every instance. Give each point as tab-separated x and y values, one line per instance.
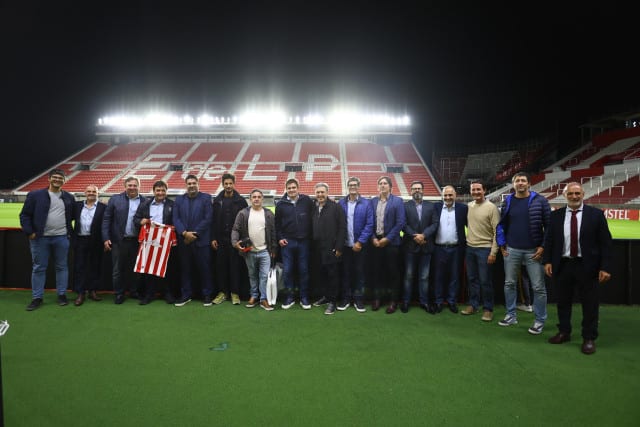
469	310
182	301
487	316
35	304
235	299
220	298
508	320
62	300
343	305
207	301
252	302
265	305
304	303
331	308
321	301
524	307
359	307
288	303
536	329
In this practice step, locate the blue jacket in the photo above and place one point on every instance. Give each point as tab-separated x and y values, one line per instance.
362	218
539	219
394	218
115	217
33	216
293	221
199	220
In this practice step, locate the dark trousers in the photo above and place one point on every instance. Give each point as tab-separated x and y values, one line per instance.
123	256
154	284
386	271
228	267
447	273
87	264
195	258
571	276
353	274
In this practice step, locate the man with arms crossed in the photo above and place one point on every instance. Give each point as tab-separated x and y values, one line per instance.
578	254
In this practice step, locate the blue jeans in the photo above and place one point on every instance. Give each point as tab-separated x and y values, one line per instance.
512	264
296	250
479	275
353	275
258	264
419	261
41	248
447	269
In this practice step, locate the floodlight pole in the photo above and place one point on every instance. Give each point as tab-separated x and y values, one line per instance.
4	326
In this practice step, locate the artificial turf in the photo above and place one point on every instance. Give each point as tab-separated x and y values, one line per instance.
130	365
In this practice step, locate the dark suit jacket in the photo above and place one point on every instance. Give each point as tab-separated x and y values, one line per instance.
96	224
144	212
461	220
115	217
595	241
199	220
426	225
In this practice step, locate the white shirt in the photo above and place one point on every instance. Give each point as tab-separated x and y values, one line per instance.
447	233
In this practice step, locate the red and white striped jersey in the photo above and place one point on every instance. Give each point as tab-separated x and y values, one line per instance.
155	246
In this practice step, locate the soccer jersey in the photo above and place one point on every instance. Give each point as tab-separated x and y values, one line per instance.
155	246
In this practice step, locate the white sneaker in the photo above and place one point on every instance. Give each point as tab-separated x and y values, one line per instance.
524	307
508	320
536	329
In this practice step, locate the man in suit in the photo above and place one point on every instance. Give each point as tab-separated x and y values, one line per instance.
418	242
120	238
88	249
46	220
450	247
158	209
482	249
388	221
192	215
520	235
359	216
577	253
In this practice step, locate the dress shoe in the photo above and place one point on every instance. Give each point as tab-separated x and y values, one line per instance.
404	307
559	338
431	308
93	296
79	300
453	308
588	346
392	308
134	295
119	299
438	308
375	305
145	300
425	307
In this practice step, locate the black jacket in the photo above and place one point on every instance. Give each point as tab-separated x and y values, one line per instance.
329	230
220	230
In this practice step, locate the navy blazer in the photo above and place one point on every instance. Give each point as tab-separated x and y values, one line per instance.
199	220
595	241
115	217
96	223
461	220
144	211
427	225
394	218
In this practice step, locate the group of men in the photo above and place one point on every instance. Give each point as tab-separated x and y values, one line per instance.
335	240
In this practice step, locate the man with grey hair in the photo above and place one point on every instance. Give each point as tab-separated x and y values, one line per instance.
329	231
119	237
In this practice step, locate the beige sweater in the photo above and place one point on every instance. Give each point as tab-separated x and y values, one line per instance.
482	220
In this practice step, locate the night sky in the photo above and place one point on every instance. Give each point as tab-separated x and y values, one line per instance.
474	76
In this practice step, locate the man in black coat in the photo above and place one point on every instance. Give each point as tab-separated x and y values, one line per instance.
329	232
88	249
577	253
